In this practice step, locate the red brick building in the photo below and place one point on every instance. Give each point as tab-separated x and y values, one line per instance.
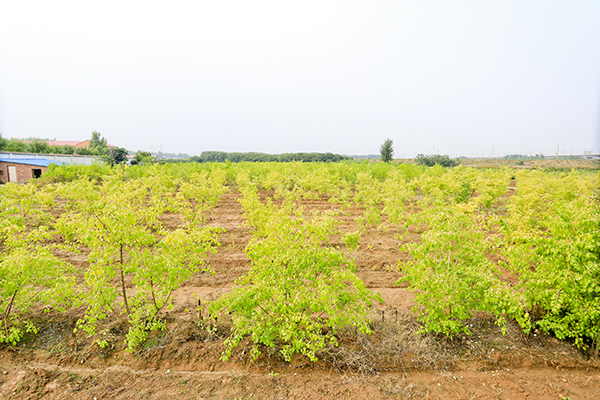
22	169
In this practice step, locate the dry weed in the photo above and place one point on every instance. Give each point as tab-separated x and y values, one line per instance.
394	345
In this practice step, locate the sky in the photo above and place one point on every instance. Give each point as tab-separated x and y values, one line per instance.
463	78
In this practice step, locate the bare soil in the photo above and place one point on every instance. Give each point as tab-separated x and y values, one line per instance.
560	164
395	362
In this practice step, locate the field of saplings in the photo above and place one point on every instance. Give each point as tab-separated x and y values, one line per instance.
294	260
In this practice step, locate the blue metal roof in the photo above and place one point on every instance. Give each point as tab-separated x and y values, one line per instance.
38	162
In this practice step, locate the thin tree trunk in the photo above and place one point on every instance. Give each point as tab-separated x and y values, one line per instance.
8	308
154	297
116	314
163	305
123	279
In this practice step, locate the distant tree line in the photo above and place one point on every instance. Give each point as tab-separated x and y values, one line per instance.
34	145
221	156
162	155
37	145
436	159
523	157
367	156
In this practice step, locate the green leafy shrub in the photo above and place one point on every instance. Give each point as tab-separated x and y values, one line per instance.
299	292
451	275
436	159
30	274
553	243
129	247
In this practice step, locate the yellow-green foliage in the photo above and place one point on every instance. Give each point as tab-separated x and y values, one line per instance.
474	230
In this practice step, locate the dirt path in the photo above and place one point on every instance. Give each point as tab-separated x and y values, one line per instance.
38	380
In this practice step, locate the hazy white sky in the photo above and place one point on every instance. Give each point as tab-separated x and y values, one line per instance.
458	77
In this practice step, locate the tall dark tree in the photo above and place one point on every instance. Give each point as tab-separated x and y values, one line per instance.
115	155
387	150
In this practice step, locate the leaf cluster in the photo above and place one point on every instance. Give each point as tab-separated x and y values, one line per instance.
299	291
436	159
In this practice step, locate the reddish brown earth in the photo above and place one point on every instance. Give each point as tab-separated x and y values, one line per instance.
394	363
545	163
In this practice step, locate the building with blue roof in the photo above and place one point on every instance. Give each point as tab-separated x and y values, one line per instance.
23	169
